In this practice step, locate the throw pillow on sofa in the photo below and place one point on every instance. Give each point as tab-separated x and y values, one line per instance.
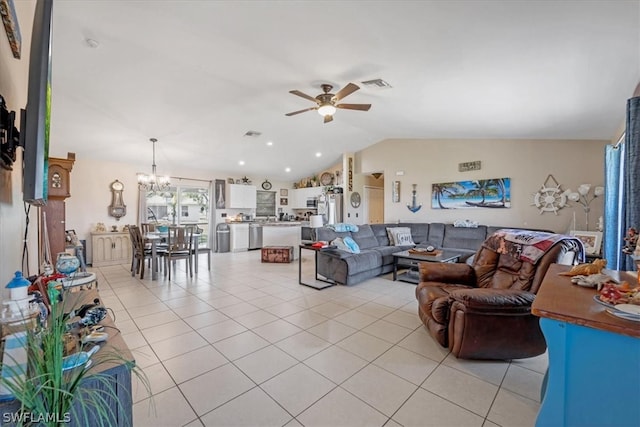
346	244
400	236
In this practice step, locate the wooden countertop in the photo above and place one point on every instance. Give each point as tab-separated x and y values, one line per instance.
559	299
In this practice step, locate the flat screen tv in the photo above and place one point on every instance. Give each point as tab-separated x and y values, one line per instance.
34	122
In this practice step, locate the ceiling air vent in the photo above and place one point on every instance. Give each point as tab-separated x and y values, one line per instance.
377	83
253	133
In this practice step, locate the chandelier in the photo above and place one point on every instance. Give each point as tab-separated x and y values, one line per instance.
153	182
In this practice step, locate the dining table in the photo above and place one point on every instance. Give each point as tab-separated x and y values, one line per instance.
155	237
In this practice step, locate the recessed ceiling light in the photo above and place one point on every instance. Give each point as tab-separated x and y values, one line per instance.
241	162
318	154
287	169
269	143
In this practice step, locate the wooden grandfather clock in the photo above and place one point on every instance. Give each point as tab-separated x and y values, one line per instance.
58	189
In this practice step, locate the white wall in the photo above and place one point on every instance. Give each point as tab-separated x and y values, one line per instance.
13	87
526	162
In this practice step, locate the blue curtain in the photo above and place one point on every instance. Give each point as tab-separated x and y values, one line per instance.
612	206
622	190
631	175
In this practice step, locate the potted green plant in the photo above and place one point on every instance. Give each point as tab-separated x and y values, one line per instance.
51	396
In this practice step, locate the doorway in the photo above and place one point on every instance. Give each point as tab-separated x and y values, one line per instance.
373	205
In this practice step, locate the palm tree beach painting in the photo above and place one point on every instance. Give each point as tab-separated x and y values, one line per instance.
482	193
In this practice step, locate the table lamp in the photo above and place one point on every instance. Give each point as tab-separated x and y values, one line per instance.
315	222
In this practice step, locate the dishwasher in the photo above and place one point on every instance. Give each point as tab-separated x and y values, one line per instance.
255	236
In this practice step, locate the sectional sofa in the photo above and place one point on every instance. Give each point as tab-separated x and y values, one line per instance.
376	252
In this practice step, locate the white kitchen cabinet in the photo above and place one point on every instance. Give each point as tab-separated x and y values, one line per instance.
301	195
110	249
241	196
239	237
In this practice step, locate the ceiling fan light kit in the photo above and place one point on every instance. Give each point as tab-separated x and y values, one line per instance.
326	110
327	101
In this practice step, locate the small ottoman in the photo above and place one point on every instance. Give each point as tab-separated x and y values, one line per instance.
278	254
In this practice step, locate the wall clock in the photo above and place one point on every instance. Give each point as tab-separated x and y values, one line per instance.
355	199
266	185
117	208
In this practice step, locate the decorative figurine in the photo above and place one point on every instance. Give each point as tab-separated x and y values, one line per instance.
630	241
586	269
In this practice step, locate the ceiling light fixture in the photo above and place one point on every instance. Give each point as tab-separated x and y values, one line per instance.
377	175
241	162
153	182
287	169
318	154
269	143
326	110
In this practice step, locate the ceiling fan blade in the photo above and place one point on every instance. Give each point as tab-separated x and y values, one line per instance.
303	95
347	90
361	107
301	111
328	118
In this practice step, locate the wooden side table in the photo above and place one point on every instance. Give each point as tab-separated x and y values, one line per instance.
326	283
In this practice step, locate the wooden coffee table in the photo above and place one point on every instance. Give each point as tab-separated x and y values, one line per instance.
411	261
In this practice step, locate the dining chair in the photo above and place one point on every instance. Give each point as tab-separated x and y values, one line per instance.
179	246
200	249
146	227
139	252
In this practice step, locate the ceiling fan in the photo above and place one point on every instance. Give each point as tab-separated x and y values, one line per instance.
327	101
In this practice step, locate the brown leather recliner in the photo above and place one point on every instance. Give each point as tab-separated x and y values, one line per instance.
483	310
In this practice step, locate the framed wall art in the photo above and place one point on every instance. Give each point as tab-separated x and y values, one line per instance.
220	194
395	192
11	27
284	201
482	193
590	239
284	192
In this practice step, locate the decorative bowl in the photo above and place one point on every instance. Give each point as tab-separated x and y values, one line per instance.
67	264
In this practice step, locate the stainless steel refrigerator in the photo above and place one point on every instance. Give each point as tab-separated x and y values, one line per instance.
334	208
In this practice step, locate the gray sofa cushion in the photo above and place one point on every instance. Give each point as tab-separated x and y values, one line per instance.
436	235
387	252
328	235
366	260
364	237
380	231
419	231
463	237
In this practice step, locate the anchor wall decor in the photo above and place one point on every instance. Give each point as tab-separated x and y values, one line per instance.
414	207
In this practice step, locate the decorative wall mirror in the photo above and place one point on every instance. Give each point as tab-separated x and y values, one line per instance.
117	208
355	199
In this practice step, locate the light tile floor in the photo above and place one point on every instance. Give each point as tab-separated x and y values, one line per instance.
245	344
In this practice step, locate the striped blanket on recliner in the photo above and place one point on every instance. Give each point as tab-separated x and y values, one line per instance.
525	245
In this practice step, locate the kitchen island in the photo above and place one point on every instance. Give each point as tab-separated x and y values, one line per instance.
593	376
284	233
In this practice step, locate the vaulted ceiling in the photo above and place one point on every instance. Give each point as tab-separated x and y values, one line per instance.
199	74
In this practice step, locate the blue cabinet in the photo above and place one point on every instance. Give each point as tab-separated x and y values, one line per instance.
593	377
